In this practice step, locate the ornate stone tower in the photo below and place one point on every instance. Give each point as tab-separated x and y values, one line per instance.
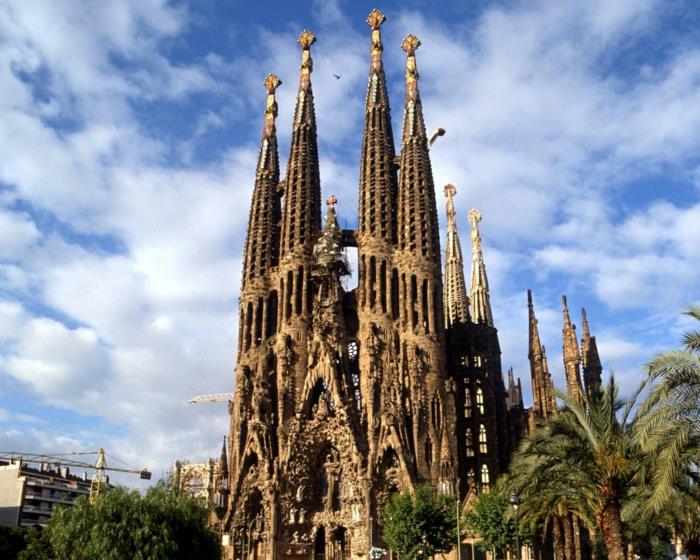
484	439
543	399
572	356
592	367
344	397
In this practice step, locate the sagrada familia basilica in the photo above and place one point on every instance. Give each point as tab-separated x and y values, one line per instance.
344	397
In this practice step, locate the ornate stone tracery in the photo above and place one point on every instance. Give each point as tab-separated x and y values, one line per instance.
345	397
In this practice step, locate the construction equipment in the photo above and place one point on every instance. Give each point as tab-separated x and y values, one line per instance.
211	398
64	460
435	135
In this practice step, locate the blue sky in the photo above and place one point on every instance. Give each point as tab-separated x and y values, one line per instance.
129	133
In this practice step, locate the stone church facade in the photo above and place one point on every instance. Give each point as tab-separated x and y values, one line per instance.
344	397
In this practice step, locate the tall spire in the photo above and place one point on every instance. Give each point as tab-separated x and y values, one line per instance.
223	461
572	356
378	182
302	194
417	215
480	301
261	250
456	300
592	368
542	391
550	399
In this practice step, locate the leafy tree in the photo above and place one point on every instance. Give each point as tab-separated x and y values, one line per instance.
165	524
582	460
490	520
420	525
11	541
38	546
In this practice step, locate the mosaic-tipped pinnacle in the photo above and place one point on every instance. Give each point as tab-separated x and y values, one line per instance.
410	44
306	39
375	19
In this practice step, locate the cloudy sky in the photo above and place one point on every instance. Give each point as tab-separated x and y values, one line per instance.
128	137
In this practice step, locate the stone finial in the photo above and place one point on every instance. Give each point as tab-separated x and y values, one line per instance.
410	44
375	19
331	201
474	219
306	39
450	191
271	83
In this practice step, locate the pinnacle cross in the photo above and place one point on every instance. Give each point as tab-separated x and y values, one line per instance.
271	83
331	201
306	39
481	305
474	219
410	44
456	301
450	191
375	20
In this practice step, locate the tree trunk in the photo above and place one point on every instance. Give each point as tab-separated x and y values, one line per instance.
577	536
558	538
593	540
611	527
568	536
692	549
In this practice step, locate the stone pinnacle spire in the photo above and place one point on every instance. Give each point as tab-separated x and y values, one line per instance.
261	244
378	182
456	300
417	215
542	390
223	461
572	356
480	300
592	368
302	201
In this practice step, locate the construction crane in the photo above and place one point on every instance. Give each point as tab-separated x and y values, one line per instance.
211	398
64	459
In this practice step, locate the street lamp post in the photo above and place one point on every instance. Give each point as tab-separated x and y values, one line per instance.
515	502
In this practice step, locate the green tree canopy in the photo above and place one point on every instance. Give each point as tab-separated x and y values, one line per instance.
582	460
420	525
490	520
165	524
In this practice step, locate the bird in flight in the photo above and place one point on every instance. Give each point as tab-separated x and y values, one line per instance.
337	76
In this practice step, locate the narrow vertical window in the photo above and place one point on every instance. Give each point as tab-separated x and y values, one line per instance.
480	400
467	402
483	444
485	478
469	442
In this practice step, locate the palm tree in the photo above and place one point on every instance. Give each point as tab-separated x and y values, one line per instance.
669	432
582	461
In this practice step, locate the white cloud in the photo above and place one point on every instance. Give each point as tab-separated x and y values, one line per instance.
17	233
144	253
